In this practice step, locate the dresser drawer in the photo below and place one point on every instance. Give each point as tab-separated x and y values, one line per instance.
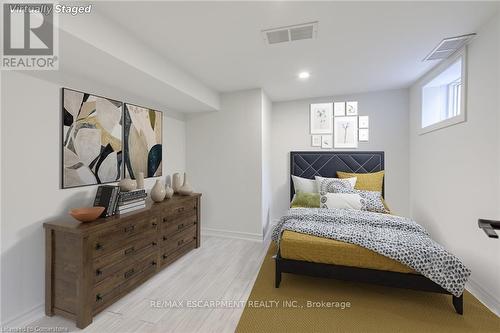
180	207
115	237
178	223
170	243
124	279
109	264
167	258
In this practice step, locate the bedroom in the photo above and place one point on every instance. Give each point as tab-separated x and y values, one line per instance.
226	104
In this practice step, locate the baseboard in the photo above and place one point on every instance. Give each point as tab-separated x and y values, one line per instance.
26	318
232	234
484	297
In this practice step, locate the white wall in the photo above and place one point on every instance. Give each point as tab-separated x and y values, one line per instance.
31	172
224	162
266	162
454	171
388	112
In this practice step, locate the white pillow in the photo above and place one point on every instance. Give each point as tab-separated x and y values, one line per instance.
304	185
334	185
341	200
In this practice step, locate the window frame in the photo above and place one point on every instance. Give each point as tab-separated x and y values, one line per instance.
431	75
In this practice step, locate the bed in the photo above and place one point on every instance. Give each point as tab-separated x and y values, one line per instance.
305	254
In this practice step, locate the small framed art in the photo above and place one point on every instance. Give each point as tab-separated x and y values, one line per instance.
321	118
363	122
346	132
339	109
326	142
363	134
351	109
316	140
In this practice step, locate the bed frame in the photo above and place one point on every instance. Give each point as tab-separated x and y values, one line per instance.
308	164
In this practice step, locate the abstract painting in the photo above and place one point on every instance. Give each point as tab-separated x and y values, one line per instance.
92	144
142	141
92	139
321	115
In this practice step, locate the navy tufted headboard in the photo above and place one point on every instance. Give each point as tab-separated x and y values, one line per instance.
307	164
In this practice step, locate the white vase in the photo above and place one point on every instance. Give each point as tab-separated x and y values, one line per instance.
140	180
158	191
169	192
127	184
176	182
185	189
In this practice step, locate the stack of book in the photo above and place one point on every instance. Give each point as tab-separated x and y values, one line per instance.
130	201
107	196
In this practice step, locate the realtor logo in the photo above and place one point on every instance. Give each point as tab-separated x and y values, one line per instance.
28	36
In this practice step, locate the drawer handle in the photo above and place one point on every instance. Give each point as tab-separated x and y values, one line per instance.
165	238
164	256
98	272
180	226
154	224
129	228
180	209
153	263
98	297
129	250
129	273
153	243
165	220
98	246
180	242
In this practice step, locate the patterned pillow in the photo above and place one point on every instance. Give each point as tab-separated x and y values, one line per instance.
370	200
333	185
341	200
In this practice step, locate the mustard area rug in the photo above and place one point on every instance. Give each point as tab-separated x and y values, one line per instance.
308	304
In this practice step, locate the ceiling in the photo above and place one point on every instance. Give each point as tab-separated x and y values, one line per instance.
361	46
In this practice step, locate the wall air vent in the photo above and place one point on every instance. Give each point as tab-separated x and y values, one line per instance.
291	33
448	46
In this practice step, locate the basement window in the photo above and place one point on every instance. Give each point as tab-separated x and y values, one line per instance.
443	94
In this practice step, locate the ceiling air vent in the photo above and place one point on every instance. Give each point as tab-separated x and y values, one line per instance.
448	46
291	33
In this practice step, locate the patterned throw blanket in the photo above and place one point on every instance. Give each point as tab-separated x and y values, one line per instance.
395	237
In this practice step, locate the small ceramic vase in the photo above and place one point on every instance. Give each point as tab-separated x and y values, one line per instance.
158	191
176	182
127	185
140	180
169	192
185	189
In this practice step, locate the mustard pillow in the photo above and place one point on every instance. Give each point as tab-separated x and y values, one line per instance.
365	181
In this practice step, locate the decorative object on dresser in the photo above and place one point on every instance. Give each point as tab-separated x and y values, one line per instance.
130	201
107	196
186	188
127	184
140	180
169	192
89	266
176	182
87	214
158	191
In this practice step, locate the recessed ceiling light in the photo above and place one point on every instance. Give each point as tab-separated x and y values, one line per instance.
304	75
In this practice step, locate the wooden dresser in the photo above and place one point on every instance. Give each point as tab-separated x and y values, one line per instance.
88	266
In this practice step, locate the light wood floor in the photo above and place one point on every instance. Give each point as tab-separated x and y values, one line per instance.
221	269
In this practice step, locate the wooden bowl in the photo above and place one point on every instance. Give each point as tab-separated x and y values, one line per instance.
86	214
